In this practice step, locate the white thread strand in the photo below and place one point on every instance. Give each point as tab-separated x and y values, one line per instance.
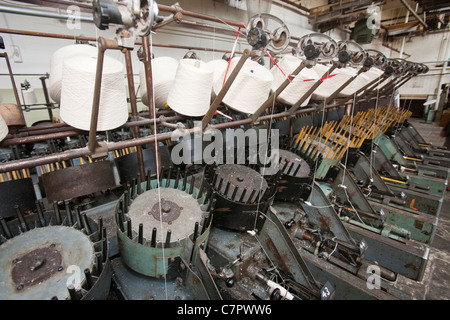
163	73
77	93
156	146
191	91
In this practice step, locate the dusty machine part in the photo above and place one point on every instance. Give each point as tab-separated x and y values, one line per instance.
241	192
54	254
161	223
297	175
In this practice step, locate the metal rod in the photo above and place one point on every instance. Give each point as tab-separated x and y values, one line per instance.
153	240
297	105
168	235
85	223
57	213
5	228
99	263
68	212
75	153
223	91
277	92
78	217
88	277
129	231
134	111
13	83
141	234
120	219
187	13
149	86
23	224
48	103
40	213
100	228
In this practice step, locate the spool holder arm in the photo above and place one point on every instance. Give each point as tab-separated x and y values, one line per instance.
297	105
276	93
218	100
99	149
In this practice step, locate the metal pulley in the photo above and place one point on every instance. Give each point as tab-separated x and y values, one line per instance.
349	52
266	32
379	59
395	67
316	46
129	15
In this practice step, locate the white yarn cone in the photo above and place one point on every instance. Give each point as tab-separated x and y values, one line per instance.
163	73
373	73
219	66
56	66
250	88
337	78
360	81
299	85
3	128
191	91
29	97
78	91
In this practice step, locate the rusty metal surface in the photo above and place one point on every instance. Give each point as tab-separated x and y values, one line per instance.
37	264
12	115
20	192
78	181
169	212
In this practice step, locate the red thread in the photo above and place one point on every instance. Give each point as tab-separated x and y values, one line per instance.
231	56
273	60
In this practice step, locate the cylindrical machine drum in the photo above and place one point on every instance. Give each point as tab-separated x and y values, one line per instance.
159	226
54	255
56	66
299	85
78	91
297	175
357	83
191	91
163	73
250	88
241	194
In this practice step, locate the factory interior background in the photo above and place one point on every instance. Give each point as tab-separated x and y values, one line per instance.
109	189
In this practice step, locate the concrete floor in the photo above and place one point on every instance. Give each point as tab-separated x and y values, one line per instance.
436	282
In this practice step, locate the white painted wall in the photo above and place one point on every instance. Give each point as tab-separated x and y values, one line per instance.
36	51
425	49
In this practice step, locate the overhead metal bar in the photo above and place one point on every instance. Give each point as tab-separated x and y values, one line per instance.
407	6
